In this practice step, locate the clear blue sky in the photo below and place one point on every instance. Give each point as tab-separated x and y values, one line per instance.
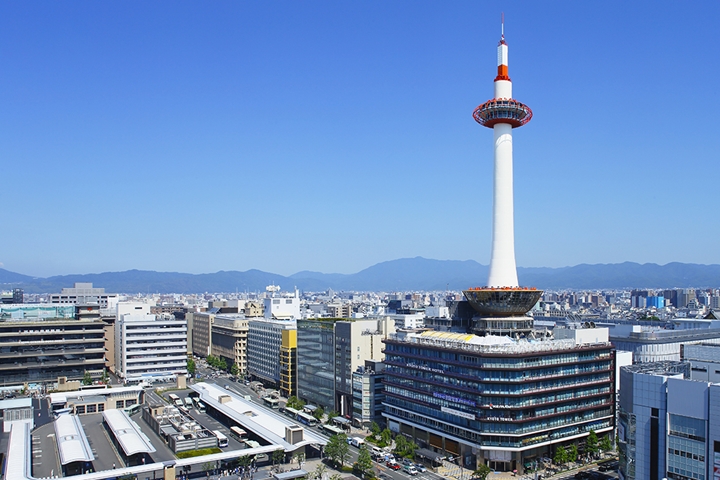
330	136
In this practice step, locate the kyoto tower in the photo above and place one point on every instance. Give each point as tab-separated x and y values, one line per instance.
502	305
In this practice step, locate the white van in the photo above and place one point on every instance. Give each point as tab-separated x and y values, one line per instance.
356	442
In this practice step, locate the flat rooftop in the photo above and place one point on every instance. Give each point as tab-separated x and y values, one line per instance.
266	424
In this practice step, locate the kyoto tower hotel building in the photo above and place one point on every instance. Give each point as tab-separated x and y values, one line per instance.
496	398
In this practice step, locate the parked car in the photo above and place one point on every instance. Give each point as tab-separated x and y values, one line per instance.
393	465
420	467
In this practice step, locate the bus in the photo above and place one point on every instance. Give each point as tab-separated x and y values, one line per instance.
238	432
332	430
291	412
188	403
308	420
200	407
222	439
132	409
271	402
175	400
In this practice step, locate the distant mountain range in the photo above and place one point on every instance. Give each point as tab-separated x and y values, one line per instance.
396	275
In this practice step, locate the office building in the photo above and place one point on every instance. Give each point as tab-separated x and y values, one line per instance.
36	347
329	350
229	337
668	424
281	307
498	401
85	293
368	394
201	332
264	341
149	347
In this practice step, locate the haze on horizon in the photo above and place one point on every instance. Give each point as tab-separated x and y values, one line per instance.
176	136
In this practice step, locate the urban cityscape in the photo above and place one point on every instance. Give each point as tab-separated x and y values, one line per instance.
496	380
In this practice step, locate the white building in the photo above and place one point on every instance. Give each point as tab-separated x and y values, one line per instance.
282	308
83	293
149	347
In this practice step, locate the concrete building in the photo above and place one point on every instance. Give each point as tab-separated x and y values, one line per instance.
265	340
149	347
653	344
282	307
497	401
329	350
704	361
85	293
668	424
368	394
95	400
229	338
14	411
41	349
201	332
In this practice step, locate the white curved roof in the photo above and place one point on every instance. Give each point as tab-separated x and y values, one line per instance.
72	443
128	434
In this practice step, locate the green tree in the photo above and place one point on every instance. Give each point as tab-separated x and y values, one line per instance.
561	456
191	367
364	462
400	445
591	444
386	437
87	379
318	413
375	428
244	461
319	471
606	444
105	378
572	453
278	456
222	364
482	472
337	449
234	370
211	360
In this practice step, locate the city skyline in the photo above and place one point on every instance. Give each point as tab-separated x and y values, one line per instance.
286	137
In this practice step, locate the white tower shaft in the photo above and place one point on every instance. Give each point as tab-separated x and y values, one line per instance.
503	271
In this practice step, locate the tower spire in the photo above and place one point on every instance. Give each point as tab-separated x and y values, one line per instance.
502	25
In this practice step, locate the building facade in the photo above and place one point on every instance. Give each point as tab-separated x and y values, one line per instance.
368	394
316	361
229	336
265	339
201	332
150	347
668	424
82	293
497	401
43	349
288	363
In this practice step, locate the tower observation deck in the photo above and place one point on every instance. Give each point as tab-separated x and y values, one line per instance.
503	304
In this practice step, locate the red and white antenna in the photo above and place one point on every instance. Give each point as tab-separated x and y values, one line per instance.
502	25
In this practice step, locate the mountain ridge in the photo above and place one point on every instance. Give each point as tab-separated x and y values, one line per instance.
403	274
